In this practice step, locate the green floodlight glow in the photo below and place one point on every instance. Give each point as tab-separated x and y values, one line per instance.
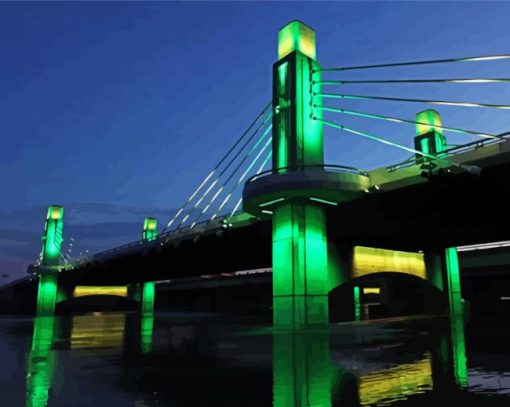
52	238
300	267
150	229
296	36
459	350
300	261
302	370
147	333
357	303
41	363
148	296
47	293
453	280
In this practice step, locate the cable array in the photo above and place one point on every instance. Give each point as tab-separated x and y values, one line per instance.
229	171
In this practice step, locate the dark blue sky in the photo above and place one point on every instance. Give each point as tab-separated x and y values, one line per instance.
119	109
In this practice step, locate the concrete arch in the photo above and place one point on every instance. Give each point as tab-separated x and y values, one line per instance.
399	294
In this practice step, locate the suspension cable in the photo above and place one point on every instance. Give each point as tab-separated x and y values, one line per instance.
426	62
247	155
393	144
390	81
235	171
232	148
392	99
398	120
264	163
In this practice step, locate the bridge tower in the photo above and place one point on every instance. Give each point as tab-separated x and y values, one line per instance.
50	261
148	292
442	264
300	272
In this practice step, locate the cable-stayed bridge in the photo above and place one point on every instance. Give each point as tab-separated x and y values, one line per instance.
272	201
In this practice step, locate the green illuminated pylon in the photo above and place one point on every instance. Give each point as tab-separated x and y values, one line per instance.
150	229
302	370
147	330
50	260
40	362
453	281
300	262
429	137
357	304
148	292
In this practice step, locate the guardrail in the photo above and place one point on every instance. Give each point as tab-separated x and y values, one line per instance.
471	146
286	170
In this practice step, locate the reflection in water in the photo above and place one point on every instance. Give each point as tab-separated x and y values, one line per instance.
146	333
304	373
97	331
302	369
41	362
459	350
395	383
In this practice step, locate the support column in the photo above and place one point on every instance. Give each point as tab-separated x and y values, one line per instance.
300	278
300	250
453	281
148	289
50	261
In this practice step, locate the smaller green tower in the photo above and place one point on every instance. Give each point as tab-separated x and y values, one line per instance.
150	232
50	261
429	135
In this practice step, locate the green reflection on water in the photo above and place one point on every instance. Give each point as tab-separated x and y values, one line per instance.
146	334
41	362
302	370
459	350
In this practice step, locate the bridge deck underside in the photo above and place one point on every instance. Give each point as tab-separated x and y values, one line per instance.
449	210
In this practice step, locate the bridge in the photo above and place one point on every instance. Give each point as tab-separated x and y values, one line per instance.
317	226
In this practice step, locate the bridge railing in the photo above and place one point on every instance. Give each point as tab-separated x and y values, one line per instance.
471	146
320	167
161	239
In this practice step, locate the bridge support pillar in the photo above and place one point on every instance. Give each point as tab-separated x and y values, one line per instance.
146	292
453	281
50	259
300	269
442	269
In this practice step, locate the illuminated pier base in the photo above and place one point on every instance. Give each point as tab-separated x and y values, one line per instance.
146	333
41	362
300	269
442	269
148	296
47	293
302	370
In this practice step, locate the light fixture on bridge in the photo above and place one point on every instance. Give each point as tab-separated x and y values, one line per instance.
296	36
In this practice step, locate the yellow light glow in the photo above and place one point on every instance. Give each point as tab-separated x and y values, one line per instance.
385	386
98	331
368	260
84	291
55	212
371	290
296	36
430	119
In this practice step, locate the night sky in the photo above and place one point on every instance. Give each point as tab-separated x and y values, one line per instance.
118	110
